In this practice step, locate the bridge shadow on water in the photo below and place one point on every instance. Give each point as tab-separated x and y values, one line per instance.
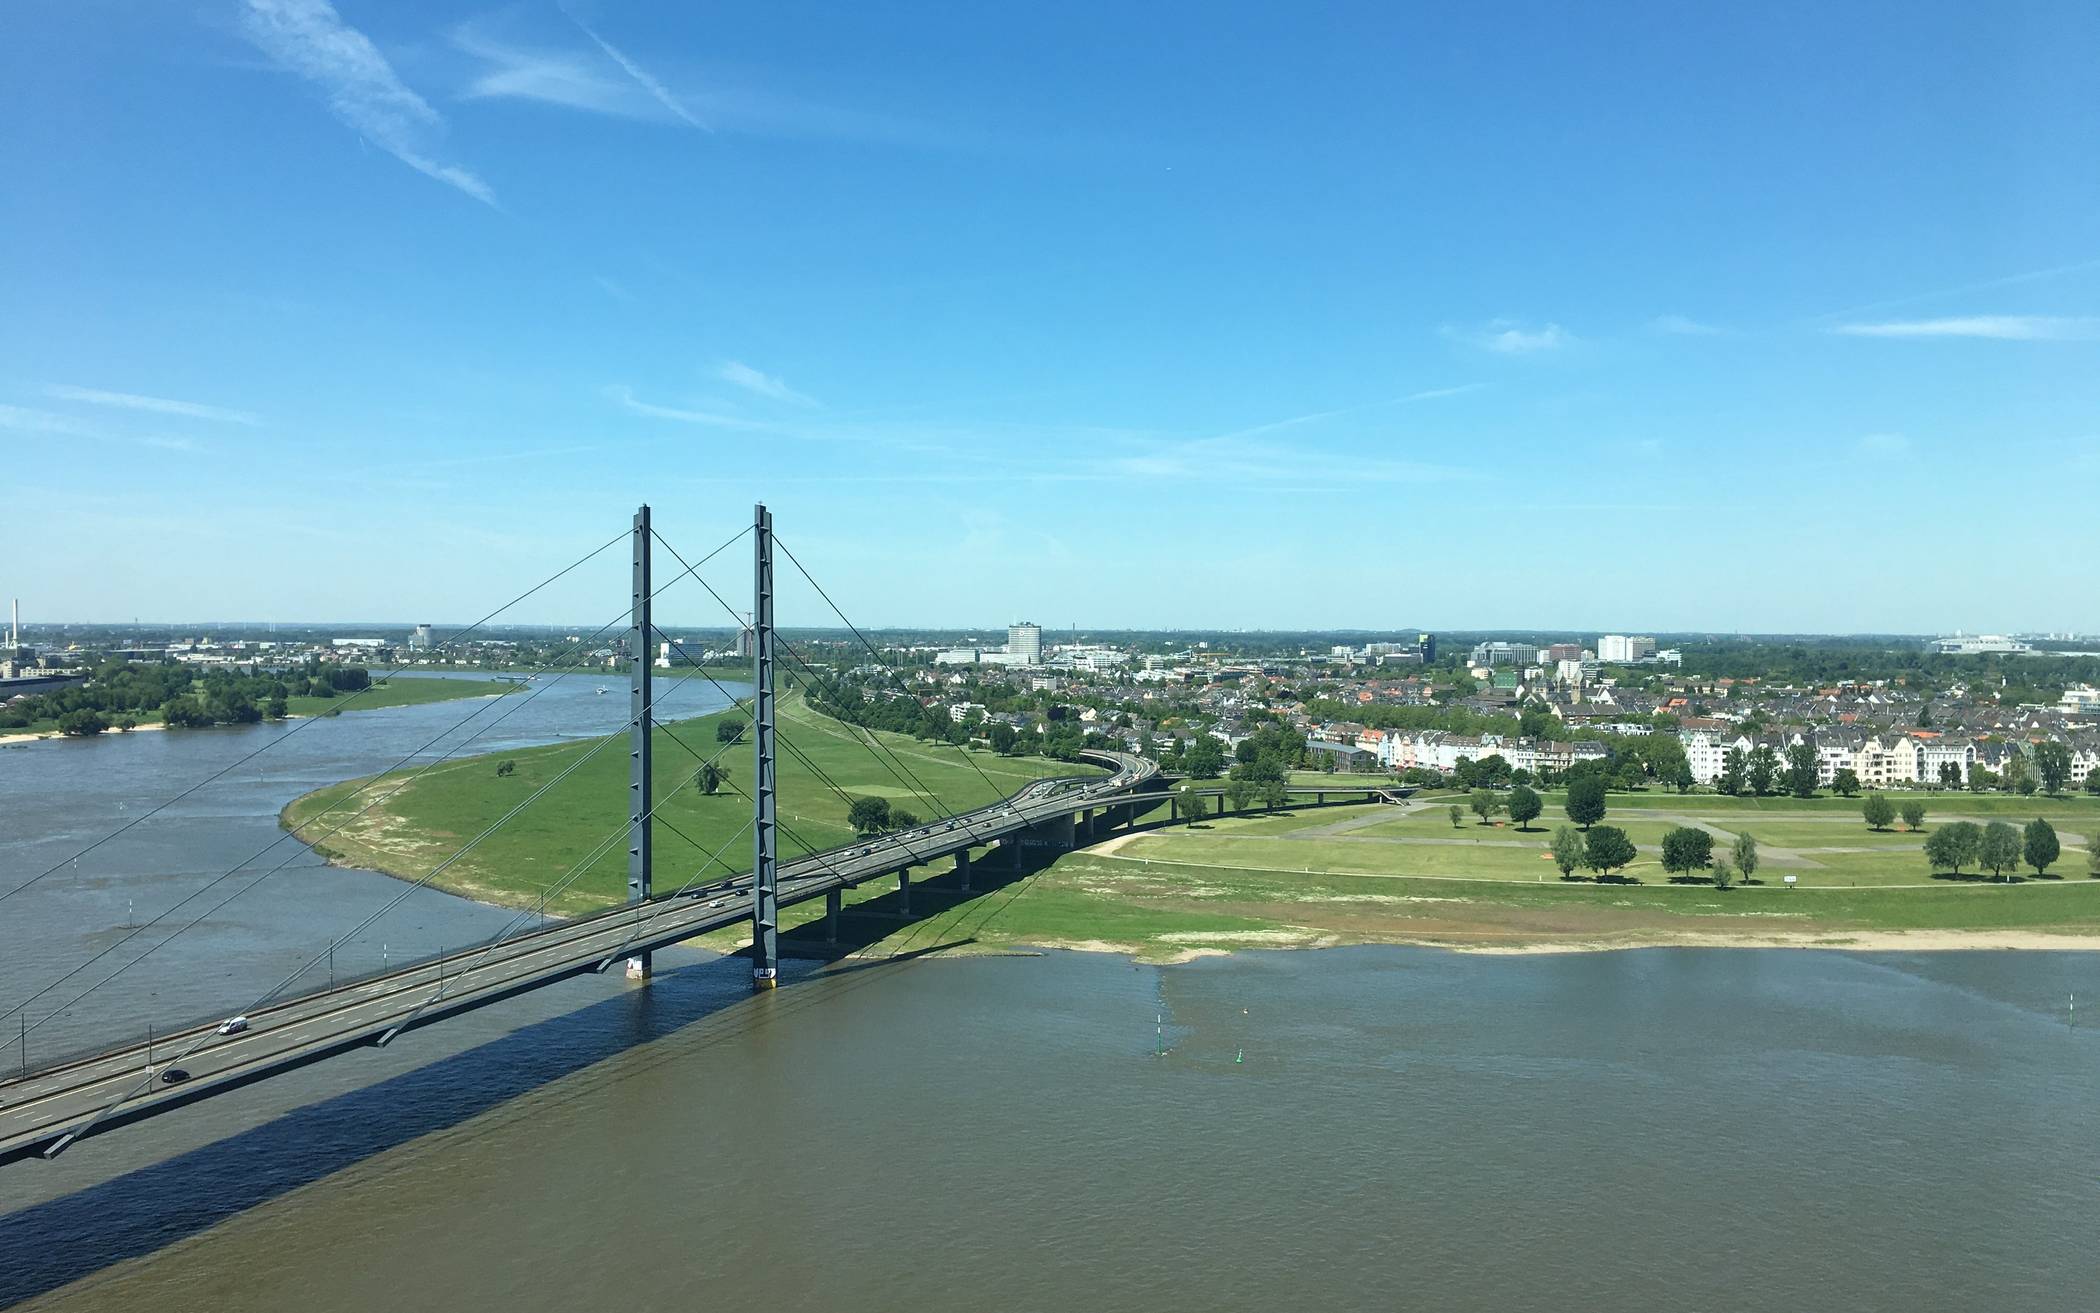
47	1245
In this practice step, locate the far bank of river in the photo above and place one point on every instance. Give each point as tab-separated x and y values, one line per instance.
400	690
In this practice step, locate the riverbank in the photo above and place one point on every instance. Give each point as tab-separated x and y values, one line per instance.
403	691
569	848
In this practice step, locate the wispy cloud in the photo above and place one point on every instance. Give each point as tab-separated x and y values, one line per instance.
607	81
1339	412
765	385
1509	338
309	38
658	92
156	405
1235	459
1682	326
1987	285
625	398
2004	328
22	419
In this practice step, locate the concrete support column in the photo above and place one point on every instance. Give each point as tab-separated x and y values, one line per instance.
904	891
962	869
834	902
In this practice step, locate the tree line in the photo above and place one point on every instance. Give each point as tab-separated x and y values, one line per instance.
120	694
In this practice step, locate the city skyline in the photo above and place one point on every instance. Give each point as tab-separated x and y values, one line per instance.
362	310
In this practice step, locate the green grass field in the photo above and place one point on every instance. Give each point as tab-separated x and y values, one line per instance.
413	828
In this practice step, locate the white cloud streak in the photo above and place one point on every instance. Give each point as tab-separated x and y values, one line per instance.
2003	328
309	38
625	398
1682	326
155	405
765	385
657	90
1510	338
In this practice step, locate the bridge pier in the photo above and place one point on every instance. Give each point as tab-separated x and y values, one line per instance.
834	902
962	869
904	892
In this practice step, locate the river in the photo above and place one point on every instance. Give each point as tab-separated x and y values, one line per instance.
1368	1128
58	796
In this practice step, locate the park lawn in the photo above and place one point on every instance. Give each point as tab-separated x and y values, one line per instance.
1935	800
574	834
401	691
1163	912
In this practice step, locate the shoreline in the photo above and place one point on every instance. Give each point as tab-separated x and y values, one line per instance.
1865	941
45	736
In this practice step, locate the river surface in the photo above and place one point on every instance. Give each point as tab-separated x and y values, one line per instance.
1370	1128
59	796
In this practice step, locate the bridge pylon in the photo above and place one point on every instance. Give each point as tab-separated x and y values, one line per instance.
641	709
765	866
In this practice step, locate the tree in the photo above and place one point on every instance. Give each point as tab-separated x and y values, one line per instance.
1730	780
1003	737
81	723
1764	768
2092	858
1274	793
1878	810
1681	777
1194	807
1485	803
2052	760
901	819
2001	847
868	816
1524	806
1950	775
708	779
1913	815
1845	783
1724	874
729	730
506	768
1745	853
1456	813
1606	849
1686	848
2019	775
1585	805
1568	850
1204	760
2038	844
2092	782
1953	846
278	709
1801	770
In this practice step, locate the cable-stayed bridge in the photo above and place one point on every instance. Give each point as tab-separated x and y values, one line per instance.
44	1109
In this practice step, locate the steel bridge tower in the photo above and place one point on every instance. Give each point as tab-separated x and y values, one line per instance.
765	872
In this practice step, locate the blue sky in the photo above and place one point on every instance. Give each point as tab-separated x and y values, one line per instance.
1119	315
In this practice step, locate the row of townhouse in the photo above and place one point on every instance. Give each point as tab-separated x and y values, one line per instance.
1879	758
1441	751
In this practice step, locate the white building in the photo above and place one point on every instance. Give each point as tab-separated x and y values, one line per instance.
1622	650
2080	700
1977	645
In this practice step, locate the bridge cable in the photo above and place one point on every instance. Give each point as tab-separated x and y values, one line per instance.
914	784
512	709
855	629
302	724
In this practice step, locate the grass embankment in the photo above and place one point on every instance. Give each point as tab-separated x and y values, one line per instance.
1366	874
415	826
403	691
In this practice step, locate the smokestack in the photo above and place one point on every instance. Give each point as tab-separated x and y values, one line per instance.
14	624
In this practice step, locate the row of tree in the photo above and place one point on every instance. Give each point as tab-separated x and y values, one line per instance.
1996	846
121	693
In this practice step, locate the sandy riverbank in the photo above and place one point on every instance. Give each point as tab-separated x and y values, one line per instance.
7	740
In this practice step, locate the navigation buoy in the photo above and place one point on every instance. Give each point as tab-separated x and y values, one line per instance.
1239	1055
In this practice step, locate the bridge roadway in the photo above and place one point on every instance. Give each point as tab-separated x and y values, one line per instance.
46	1111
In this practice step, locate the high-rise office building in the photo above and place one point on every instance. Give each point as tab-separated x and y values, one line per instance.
1024	642
1425	647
